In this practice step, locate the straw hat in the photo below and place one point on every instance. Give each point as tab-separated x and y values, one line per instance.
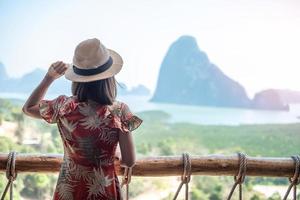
92	61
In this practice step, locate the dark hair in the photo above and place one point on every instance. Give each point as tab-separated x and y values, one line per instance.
101	91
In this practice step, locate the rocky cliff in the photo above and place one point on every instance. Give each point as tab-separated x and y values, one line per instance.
187	76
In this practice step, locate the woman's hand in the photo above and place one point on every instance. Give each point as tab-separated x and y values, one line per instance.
56	70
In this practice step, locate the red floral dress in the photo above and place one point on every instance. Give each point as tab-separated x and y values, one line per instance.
90	136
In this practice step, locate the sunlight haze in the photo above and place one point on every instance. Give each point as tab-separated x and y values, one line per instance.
254	42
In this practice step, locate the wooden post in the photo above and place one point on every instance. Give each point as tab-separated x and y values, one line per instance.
215	165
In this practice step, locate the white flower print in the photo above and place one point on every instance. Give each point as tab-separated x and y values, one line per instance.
97	183
108	136
87	110
65	191
92	120
70	126
65	184
78	171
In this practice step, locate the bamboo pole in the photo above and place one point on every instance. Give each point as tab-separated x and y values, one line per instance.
215	165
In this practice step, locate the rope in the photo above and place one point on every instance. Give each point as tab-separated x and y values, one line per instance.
240	177
126	180
295	180
186	176
11	174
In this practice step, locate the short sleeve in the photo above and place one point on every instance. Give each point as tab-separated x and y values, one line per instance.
49	109
129	120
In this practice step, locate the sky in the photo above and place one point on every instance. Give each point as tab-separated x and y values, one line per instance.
255	42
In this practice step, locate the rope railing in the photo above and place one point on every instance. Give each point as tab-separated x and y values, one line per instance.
240	177
240	165
211	165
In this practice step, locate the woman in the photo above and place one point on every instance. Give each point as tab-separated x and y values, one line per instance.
91	123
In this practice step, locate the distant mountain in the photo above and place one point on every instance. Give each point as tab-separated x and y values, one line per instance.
29	81
275	99
187	76
270	100
140	90
137	90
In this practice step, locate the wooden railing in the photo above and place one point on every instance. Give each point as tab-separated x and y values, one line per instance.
166	165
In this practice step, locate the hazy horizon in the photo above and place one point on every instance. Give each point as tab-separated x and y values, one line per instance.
254	42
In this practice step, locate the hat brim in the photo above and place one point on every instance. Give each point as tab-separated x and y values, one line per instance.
113	70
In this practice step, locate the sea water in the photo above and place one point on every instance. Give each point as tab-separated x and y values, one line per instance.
200	114
214	115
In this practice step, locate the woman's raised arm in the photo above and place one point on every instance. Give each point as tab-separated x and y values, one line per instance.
31	107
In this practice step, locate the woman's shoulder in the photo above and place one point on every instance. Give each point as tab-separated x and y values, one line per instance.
122	109
50	110
128	120
117	107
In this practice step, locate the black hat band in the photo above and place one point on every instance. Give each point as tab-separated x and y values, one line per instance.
90	72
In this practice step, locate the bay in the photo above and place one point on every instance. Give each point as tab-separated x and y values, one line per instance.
200	114
214	115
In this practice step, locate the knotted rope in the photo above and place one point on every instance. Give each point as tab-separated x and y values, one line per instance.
11	174
186	176
295	180
126	180
240	177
